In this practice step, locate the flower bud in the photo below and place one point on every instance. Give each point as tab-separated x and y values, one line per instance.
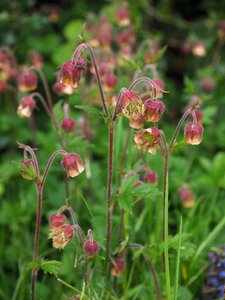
198	49
27	174
151	177
122	16
26	107
148	139
68	124
193	133
132	105
154	110
208	84
71	72
27	80
57	220
91	247
187	197
61	236
73	164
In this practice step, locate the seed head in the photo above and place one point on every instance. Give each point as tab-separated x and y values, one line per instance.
61	236
193	133
132	105
148	139
73	164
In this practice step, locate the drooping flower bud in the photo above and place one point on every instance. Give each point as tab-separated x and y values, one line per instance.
148	139
27	172
71	72
132	105
73	164
208	84
57	220
187	197
91	247
68	124
151	177
118	265
110	82
27	80
154	110
26	107
61	236
193	133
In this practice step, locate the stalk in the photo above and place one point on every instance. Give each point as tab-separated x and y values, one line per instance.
109	192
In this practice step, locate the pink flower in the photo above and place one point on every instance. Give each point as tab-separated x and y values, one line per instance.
193	133
73	164
26	107
68	124
71	72
27	80
154	110
132	105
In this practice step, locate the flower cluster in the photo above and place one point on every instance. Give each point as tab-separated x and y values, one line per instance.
215	275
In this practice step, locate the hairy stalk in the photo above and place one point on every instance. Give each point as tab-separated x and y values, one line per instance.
109	193
75	56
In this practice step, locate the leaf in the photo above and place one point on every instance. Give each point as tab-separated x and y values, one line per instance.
73	29
160	53
184	294
128	184
126	203
145	190
189	85
89	109
51	267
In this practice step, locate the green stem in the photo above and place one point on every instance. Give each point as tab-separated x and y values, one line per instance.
178	260
165	227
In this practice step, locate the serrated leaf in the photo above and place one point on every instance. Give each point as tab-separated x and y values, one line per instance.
34	264
126	203
128	184
51	267
145	190
89	109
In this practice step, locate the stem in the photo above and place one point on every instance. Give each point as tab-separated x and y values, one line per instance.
36	239
123	90
145	79
109	192
74	219
57	152
165	226
34	158
86	269
75	55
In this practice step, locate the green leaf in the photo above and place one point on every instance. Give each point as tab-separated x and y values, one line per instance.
184	294
73	29
145	190
34	264
89	109
51	267
189	85
128	184
160	54
126	203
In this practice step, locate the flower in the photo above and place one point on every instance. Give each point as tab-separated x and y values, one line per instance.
27	80
90	246
118	265
193	133
26	107
154	110
187	197
68	124
122	16
61	236
71	72
132	105
148	139
110	82
151	177
57	220
73	164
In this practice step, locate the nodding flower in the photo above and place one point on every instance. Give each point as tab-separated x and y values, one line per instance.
61	236
193	133
132	105
148	139
91	246
68	124
71	72
73	164
26	107
27	80
154	110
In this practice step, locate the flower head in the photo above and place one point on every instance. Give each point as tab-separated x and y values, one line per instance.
26	107
118	265
193	133
148	139
73	164
154	110
187	197
61	236
110	82
27	80
132	105
122	15
68	124
71	72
